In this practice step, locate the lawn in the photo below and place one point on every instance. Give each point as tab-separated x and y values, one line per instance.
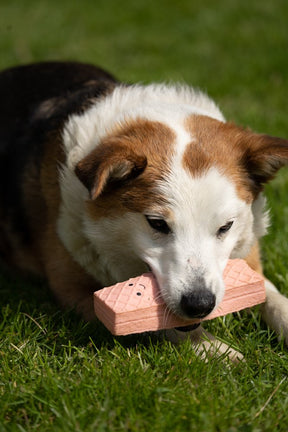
58	373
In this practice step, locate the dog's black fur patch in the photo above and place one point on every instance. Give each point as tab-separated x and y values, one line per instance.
35	100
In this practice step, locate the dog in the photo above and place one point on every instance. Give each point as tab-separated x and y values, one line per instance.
101	181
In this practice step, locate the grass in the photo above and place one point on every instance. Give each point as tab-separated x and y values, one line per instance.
58	373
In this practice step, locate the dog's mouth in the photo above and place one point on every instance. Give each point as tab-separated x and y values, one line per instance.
188	328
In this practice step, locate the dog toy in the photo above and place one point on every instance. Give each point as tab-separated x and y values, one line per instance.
136	306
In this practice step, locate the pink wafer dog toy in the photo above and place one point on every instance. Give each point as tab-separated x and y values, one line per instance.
136	306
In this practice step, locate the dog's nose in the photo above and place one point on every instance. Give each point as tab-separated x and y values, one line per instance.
197	304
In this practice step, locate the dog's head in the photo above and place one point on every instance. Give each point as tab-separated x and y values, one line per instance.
180	199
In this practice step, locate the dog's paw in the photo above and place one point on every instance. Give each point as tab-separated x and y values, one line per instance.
205	344
275	313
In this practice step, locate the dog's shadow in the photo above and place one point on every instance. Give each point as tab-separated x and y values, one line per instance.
29	298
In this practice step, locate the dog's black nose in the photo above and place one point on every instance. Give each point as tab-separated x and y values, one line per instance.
198	304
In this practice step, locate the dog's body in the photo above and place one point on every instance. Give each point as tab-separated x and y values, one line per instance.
100	181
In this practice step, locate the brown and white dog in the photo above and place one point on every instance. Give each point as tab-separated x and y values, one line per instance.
100	181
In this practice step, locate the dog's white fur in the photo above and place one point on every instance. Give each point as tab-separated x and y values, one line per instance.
198	206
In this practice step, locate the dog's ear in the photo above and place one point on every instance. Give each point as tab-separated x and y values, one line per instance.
109	163
263	156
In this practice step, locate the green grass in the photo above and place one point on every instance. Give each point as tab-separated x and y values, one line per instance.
58	373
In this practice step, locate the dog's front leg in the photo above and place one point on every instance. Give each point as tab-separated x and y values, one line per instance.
204	343
275	311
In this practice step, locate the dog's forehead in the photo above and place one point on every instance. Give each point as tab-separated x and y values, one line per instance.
215	144
210	196
203	178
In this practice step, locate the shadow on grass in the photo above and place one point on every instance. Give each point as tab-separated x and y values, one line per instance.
31	297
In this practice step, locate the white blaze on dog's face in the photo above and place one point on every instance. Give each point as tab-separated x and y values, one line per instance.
188	250
182	199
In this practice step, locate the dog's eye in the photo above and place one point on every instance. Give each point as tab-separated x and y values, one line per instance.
223	229
158	225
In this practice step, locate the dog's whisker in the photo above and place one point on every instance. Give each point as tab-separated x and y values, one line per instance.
158	297
165	317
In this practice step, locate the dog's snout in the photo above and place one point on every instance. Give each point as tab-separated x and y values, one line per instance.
197	304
